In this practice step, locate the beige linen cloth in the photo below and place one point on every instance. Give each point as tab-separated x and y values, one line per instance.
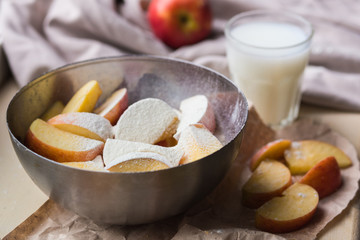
40	35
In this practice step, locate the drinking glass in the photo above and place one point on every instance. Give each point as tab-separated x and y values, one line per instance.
267	52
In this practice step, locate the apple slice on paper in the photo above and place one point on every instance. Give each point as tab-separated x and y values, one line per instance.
59	145
303	155
85	124
139	162
196	109
197	142
272	150
288	212
114	106
149	120
324	177
84	100
116	149
93	165
54	110
268	180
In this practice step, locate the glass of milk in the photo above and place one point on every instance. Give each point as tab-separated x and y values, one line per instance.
267	53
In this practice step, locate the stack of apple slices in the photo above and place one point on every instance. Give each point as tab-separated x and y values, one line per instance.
122	138
281	205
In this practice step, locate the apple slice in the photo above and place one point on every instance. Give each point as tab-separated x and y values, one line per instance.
149	121
117	149
268	180
93	165
197	142
114	106
54	110
84	100
196	109
85	124
139	162
59	145
288	212
324	177
272	150
168	142
303	155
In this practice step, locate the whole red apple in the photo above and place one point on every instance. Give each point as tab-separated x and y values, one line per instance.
180	22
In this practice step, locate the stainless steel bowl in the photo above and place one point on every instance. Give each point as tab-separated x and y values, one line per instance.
130	198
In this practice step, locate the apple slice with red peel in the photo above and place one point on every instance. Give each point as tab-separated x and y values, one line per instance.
117	149
268	180
85	124
303	155
114	106
197	142
272	150
54	110
59	145
324	177
139	162
289	212
94	165
196	109
148	120
84	100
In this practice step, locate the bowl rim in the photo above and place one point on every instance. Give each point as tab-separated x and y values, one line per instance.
67	66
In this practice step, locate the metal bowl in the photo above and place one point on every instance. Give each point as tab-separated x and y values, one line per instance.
130	198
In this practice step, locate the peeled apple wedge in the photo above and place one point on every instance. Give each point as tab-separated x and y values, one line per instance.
269	180
196	109
272	150
118	150
84	100
288	212
93	165
59	145
85	124
139	162
197	142
149	120
54	110
303	155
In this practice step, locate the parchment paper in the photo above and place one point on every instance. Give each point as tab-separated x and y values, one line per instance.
220	215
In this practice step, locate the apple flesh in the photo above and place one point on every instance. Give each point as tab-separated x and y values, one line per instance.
54	110
149	120
85	124
180	22
139	162
114	106
272	150
303	155
59	145
84	100
93	165
288	212
197	142
269	180
196	109
116	151
324	177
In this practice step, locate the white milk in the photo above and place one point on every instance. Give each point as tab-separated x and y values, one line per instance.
266	61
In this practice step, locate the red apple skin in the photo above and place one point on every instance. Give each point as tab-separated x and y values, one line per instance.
324	177
180	22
